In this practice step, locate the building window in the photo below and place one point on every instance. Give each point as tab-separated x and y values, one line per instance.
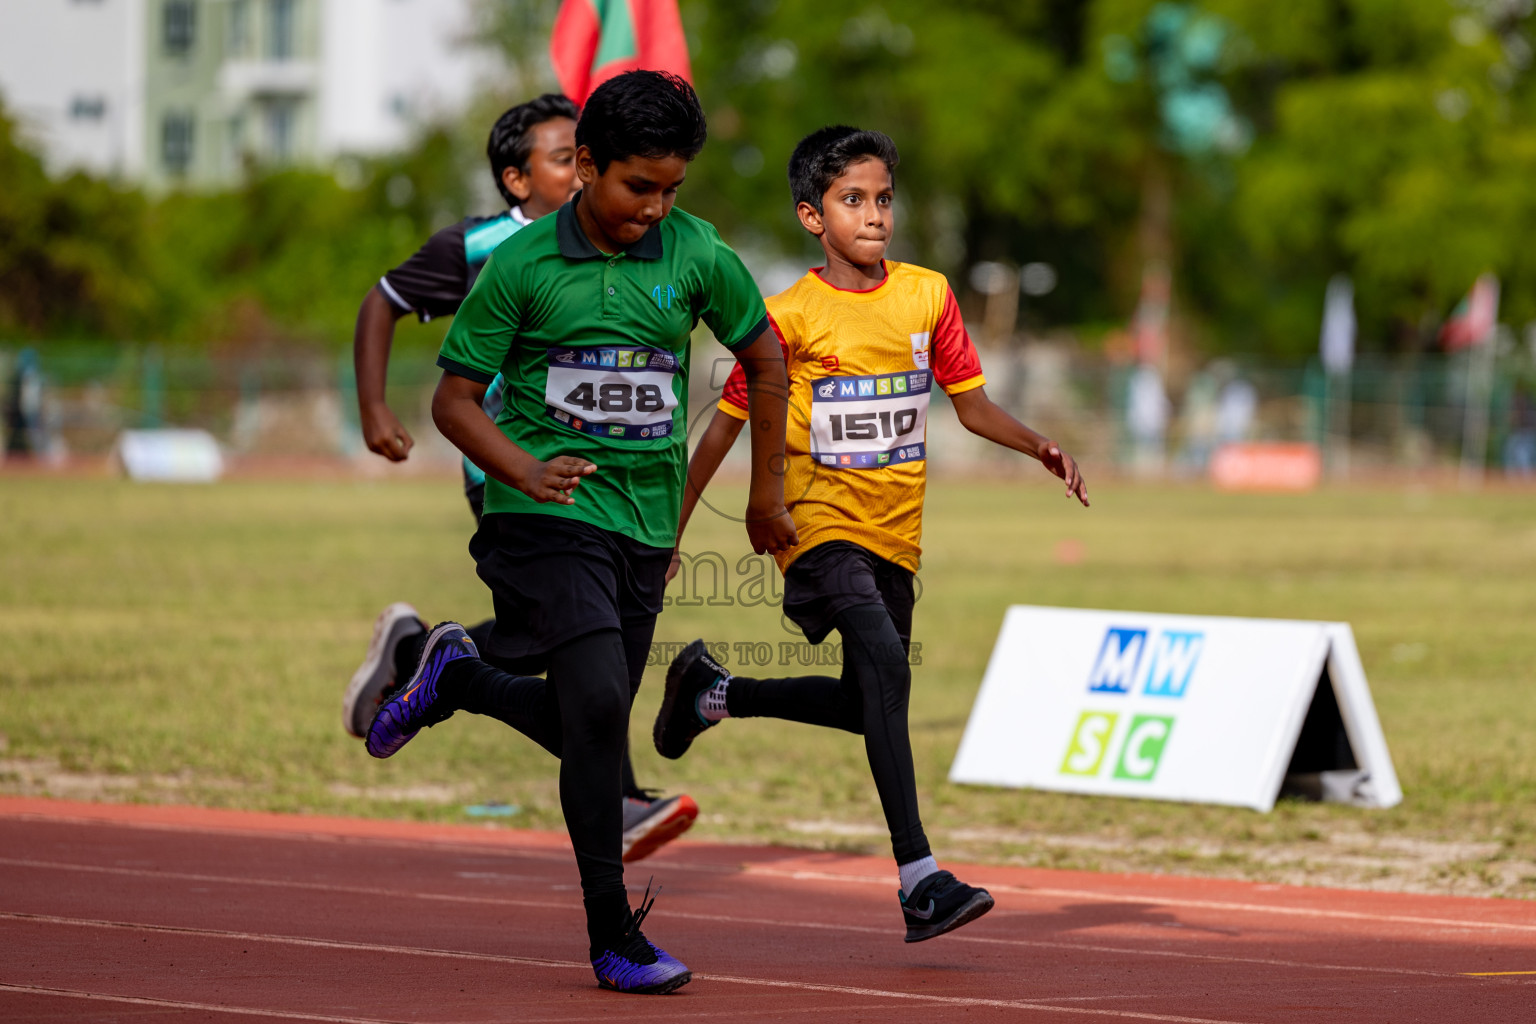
240	28
180	26
88	108
280	43
176	142
236	139
281	118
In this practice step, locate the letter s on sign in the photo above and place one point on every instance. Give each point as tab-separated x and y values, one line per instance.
1090	742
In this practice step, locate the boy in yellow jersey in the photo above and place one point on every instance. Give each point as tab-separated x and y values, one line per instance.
865	341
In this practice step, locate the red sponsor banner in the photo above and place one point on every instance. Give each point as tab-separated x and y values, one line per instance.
1263	466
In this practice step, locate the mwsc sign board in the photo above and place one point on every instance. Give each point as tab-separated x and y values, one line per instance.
1196	708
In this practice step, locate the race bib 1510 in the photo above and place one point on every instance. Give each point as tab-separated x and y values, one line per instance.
620	393
870	422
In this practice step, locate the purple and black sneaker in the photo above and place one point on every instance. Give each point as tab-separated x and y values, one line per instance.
415	705
634	965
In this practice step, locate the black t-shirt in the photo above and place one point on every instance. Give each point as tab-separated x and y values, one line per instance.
434	281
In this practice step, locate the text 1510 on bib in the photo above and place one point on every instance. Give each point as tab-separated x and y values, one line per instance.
870	422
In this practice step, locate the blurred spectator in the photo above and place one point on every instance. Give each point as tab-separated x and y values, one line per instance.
1520	445
1199	418
1146	418
1236	410
24	408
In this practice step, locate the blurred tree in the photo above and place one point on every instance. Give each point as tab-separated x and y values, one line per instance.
286	257
1386	138
1397	151
1264	147
70	250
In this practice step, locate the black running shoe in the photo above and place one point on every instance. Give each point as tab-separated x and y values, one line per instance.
678	722
941	903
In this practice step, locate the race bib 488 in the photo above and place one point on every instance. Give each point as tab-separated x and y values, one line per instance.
870	422
620	393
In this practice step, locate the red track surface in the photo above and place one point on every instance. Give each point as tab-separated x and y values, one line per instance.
150	914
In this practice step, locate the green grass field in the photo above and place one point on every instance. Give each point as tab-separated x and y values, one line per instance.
190	644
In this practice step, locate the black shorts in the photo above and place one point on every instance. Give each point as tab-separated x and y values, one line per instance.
554	579
838	575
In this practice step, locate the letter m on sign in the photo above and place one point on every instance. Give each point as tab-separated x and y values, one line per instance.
1173	662
1115	669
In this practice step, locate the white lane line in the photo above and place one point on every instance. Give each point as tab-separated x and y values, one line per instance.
1166	901
464	846
756	1012
469	848
738	921
279	883
181	1004
797	986
287	940
1002	1004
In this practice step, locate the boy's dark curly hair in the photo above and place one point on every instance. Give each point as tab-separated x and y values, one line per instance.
823	156
641	113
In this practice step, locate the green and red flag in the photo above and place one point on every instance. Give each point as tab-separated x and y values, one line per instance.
594	40
1474	318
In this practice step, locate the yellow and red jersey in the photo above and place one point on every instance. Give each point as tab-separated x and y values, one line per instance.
861	367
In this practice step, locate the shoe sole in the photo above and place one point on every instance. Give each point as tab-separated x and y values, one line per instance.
649	836
669	695
660	989
373	676
974	907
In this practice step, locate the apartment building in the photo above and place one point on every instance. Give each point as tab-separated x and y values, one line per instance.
187	92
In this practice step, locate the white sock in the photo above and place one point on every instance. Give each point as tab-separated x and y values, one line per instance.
711	704
915	872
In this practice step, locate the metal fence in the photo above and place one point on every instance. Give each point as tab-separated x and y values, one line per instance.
1406	414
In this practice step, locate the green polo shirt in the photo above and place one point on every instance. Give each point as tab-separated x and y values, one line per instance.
593	350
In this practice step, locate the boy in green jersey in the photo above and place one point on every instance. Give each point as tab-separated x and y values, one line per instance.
587	316
532	153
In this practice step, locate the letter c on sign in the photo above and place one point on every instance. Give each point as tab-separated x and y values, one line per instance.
1138	761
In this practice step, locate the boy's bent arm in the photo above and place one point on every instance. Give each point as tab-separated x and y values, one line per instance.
382	430
716	441
457	413
768	524
713	445
985	418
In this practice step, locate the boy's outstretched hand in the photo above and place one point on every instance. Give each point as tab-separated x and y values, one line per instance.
1064	466
554	480
771	530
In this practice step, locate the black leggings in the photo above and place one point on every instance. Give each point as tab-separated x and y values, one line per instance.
870	699
409	652
580	713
